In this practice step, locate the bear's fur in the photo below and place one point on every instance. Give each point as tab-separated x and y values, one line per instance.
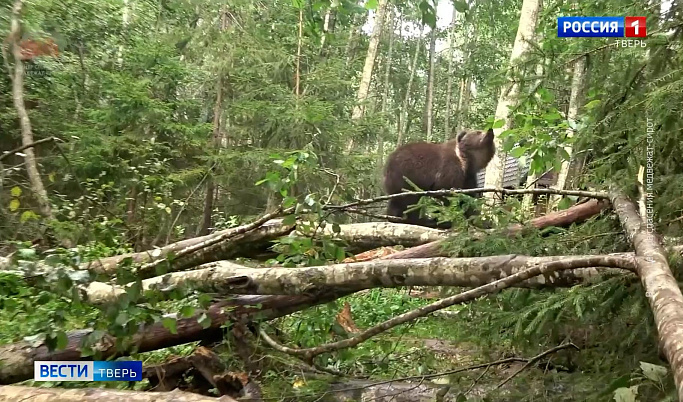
453	164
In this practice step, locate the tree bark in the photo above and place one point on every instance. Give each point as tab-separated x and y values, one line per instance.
532	178
224	277
234	243
215	143
406	99
328	26
449	84
385	94
661	288
429	97
510	93
356	25
124	25
575	102
366	77
297	73
17	78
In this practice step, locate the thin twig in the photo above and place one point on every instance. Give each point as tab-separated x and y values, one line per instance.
31	145
535	359
436	193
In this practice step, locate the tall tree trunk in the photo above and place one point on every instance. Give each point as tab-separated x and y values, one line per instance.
356	25
510	92
125	18
429	101
297	74
576	99
404	107
385	94
216	140
328	26
532	178
366	77
17	78
463	102
449	85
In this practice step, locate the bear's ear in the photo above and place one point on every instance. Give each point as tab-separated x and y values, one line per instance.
461	135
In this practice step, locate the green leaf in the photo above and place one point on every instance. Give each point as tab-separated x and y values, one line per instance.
25	253
204	321
187	311
428	14
340	254
15	191
35	340
171	324
498	123
122	318
14	205
564	154
27	216
289	220
564	203
592	104
336	228
518	152
298	4
626	394
371	4
653	372
62	340
552	116
460	6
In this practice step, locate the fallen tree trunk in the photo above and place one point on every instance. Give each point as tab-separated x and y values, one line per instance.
575	214
225	277
661	288
16	359
235	243
370	235
21	393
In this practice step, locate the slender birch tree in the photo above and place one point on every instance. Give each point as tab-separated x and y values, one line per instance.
510	92
576	99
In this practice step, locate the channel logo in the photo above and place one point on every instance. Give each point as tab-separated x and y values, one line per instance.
129	370
601	27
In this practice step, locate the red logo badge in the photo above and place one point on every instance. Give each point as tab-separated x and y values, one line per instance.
634	27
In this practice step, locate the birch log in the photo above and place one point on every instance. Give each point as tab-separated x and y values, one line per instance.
661	288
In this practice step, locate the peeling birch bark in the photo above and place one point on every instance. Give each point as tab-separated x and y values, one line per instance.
661	288
225	277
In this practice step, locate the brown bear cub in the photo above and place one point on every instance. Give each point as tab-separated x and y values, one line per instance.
453	164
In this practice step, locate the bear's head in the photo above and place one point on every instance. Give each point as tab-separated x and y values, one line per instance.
476	147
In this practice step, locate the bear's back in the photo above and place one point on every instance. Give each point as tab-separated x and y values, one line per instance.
425	164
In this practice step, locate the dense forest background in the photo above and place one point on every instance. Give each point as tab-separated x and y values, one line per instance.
171	119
